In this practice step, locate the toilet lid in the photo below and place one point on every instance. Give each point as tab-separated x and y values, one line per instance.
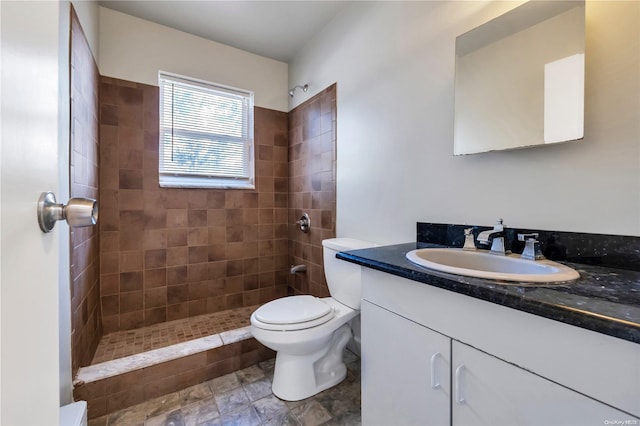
293	310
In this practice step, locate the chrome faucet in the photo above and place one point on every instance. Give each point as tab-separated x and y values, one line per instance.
531	247
493	238
469	243
297	268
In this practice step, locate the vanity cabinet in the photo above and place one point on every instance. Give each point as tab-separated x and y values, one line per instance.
406	376
433	357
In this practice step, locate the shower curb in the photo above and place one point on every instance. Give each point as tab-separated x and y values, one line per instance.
113	385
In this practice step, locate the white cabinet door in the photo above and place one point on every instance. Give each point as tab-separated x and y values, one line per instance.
405	371
489	391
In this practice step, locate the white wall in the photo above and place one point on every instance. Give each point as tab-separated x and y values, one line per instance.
88	13
134	49
32	43
394	66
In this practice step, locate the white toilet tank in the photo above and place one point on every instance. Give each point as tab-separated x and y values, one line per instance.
343	278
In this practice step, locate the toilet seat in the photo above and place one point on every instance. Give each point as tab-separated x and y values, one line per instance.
292	313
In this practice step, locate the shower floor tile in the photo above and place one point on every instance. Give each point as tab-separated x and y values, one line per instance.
240	398
129	342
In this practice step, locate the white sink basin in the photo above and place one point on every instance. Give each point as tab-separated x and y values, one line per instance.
481	264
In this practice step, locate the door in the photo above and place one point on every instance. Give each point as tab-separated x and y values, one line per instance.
405	371
489	391
34	159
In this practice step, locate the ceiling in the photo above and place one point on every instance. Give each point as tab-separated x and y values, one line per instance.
275	29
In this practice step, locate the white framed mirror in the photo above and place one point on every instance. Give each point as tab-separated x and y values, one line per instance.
520	79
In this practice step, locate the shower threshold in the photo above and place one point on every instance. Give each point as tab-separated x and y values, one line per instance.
121	344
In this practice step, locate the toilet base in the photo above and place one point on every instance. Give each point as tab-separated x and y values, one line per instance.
297	377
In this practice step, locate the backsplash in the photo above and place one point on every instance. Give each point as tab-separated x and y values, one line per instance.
612	251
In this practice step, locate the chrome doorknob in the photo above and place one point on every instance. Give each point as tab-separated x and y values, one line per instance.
78	212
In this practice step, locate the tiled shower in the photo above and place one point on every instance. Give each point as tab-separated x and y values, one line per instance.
164	254
167	253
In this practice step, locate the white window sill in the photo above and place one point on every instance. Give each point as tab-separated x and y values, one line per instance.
200	182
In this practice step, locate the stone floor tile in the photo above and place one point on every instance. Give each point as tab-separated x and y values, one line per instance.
174	418
250	374
311	413
351	419
195	393
342	399
270	408
159	420
163	404
232	400
225	383
201	412
268	367
214	422
258	389
131	416
286	419
293	404
245	398
245	416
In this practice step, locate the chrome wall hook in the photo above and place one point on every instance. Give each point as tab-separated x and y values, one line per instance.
78	212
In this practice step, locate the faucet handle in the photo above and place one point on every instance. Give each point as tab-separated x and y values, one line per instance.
527	237
469	241
304	223
532	249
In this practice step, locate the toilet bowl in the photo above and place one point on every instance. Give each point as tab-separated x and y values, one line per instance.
309	334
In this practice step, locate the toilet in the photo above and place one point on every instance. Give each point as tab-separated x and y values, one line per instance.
309	334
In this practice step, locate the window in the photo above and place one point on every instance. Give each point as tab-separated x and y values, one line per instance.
206	135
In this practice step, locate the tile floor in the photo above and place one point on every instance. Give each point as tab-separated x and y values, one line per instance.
244	398
129	342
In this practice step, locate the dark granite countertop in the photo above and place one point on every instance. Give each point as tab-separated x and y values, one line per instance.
604	300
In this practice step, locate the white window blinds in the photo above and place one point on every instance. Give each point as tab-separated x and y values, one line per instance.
206	134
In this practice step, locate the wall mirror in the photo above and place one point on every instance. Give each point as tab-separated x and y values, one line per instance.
520	79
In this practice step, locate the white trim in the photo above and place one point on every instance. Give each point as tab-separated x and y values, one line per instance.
172	177
167	181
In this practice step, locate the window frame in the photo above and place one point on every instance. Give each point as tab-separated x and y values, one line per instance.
167	179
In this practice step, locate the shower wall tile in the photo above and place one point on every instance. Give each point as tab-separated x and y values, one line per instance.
173	253
86	327
312	188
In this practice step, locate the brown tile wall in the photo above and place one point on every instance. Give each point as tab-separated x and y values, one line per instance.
312	187
167	253
125	390
86	327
